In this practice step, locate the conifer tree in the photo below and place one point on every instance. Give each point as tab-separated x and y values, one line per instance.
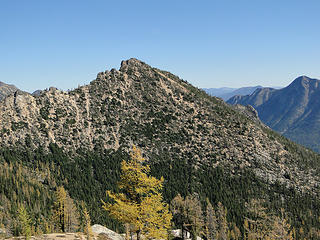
259	224
195	215
71	215
188	214
59	209
222	226
179	210
25	222
140	204
281	228
87	221
65	213
234	232
211	222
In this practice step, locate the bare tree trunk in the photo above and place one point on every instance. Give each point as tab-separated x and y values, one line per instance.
127	227
138	234
182	232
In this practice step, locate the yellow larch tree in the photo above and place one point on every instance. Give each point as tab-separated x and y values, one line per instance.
65	214
188	214
59	209
281	228
259	224
87	227
140	204
25	222
222	223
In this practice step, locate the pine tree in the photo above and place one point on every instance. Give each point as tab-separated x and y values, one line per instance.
222	226
24	221
259	224
87	221
65	213
71	215
210	222
195	215
281	228
188	214
140	204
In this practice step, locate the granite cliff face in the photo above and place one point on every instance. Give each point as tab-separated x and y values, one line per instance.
292	111
162	114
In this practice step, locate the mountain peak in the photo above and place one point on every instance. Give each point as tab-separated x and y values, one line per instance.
301	79
304	81
132	64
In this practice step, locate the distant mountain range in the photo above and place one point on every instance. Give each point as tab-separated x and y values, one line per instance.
293	111
226	93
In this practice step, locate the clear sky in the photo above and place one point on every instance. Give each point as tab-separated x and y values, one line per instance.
65	43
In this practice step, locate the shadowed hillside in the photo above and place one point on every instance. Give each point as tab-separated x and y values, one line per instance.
293	111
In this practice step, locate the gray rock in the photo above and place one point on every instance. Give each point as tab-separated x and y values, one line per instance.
98	229
6	90
177	234
249	111
36	93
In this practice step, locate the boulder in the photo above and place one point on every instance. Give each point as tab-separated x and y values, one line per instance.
98	229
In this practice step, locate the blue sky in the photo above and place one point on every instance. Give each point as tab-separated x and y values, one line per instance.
65	43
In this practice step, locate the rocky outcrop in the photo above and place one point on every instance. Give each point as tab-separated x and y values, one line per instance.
248	111
6	90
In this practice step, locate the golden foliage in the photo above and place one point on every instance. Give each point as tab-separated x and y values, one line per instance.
189	214
262	225
25	222
65	214
87	226
141	204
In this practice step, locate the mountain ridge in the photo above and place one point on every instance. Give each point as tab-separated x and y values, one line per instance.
291	111
100	114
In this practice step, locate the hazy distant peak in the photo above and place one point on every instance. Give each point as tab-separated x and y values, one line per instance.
227	93
262	90
305	82
304	79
